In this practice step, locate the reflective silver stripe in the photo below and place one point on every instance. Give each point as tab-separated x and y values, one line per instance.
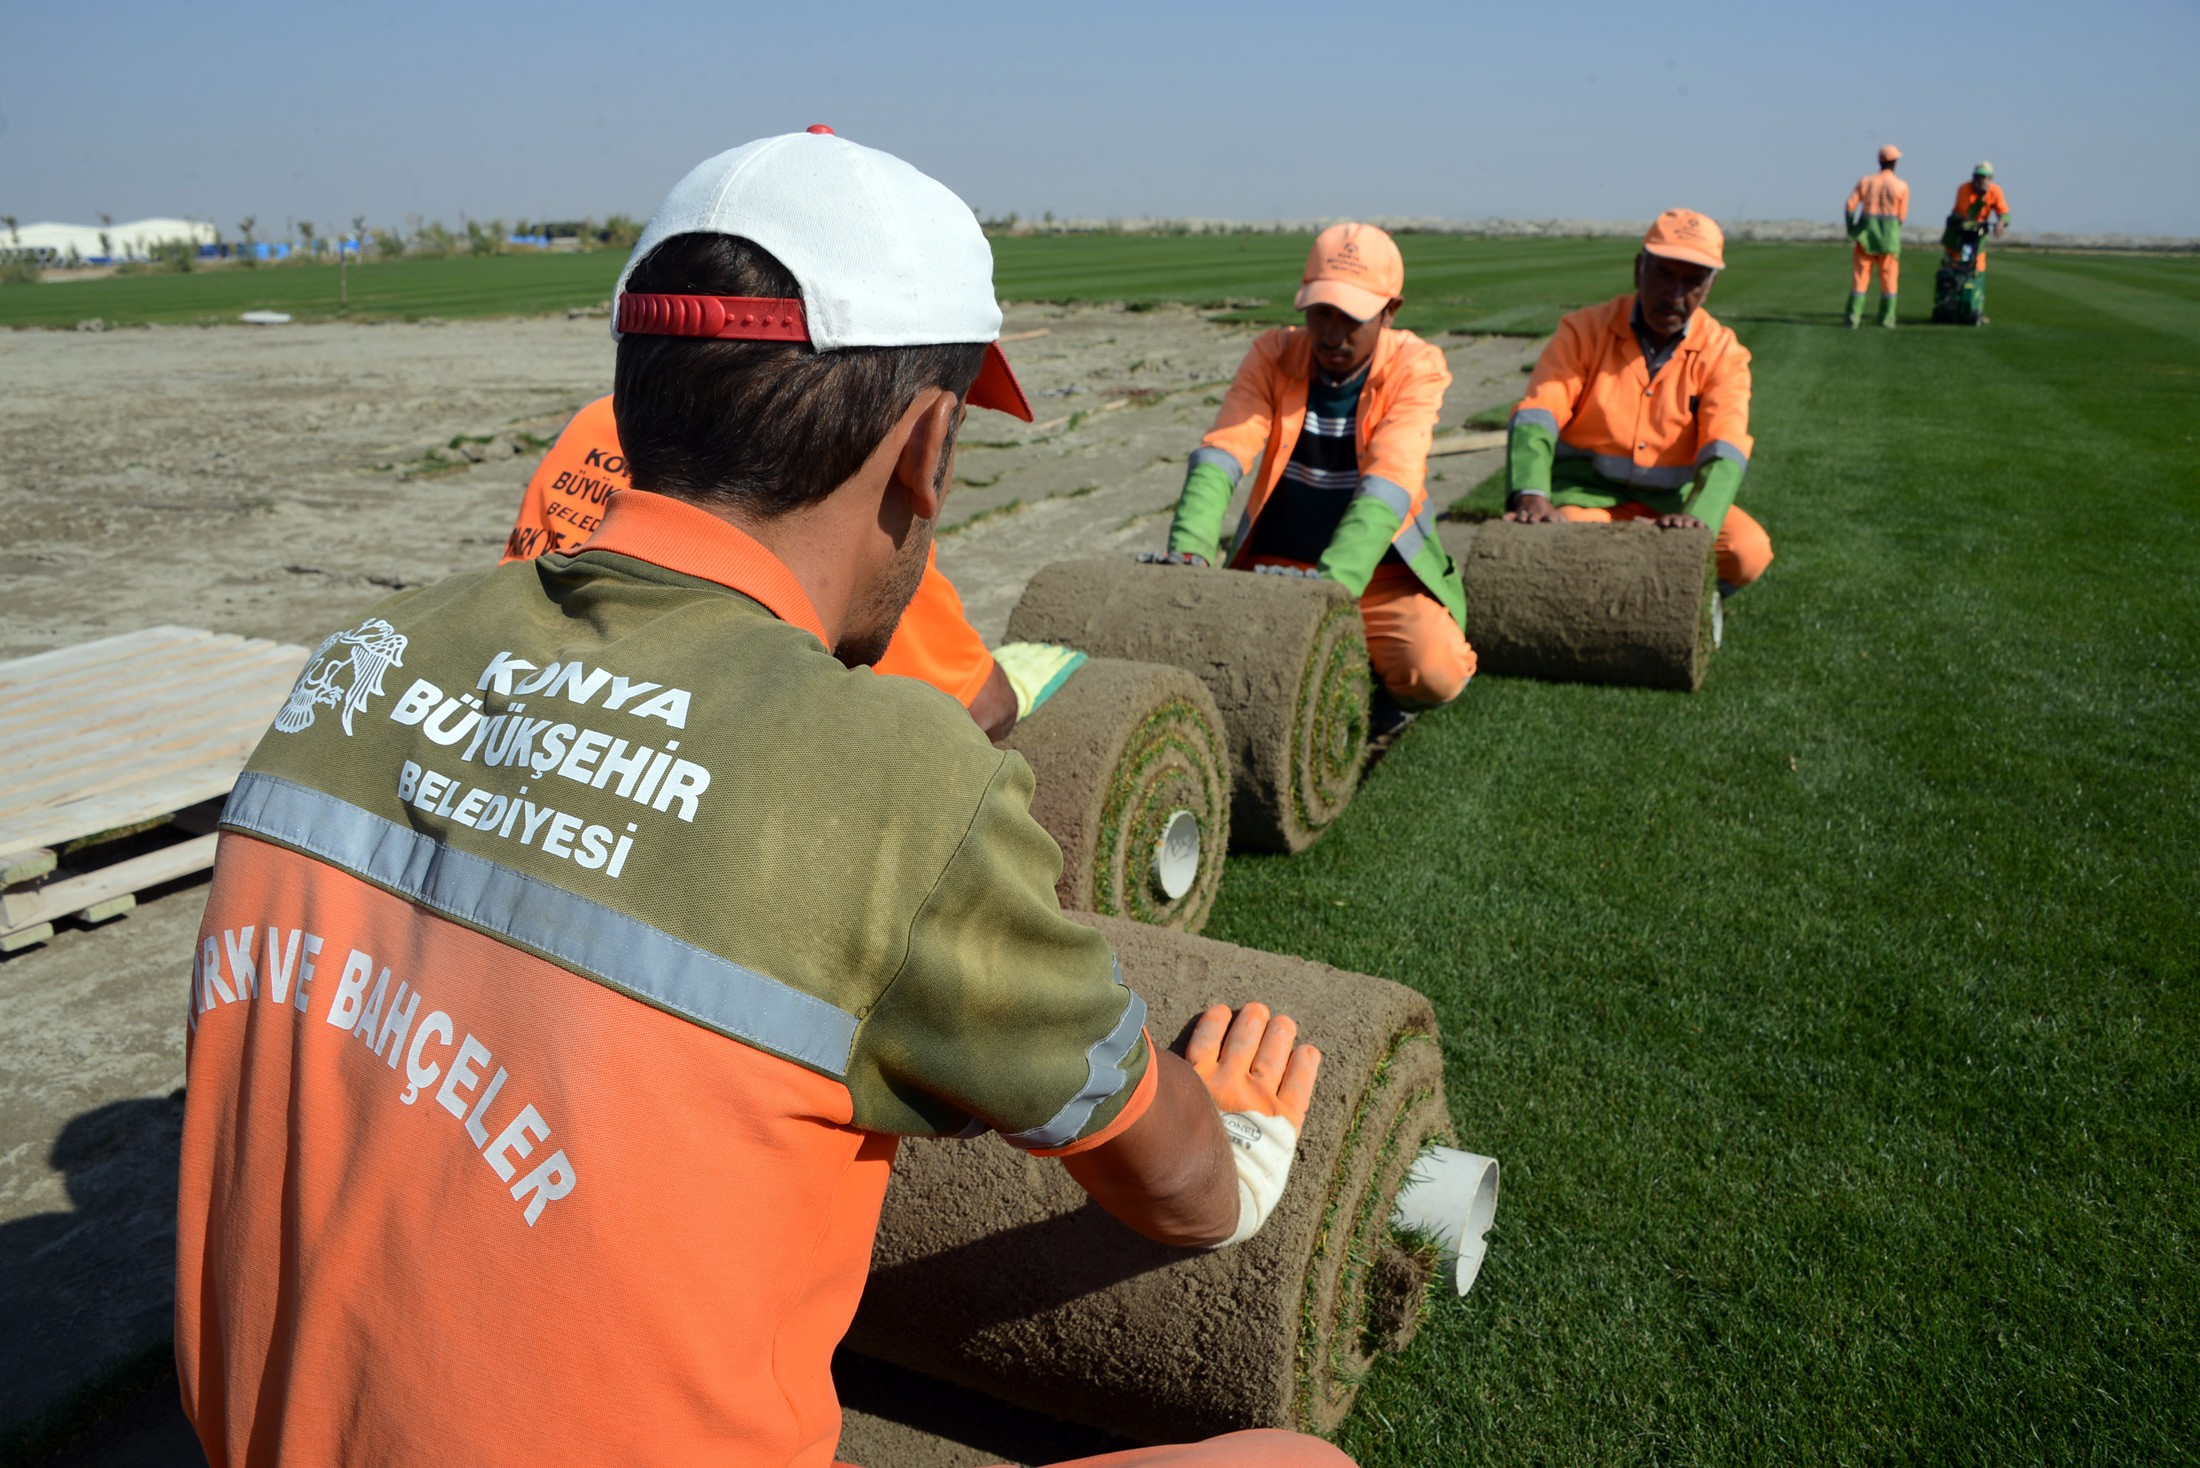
1626	471
597	942
1326	427
1720	448
1539	417
1220	458
1306	474
1414	536
1393	496
1104	1076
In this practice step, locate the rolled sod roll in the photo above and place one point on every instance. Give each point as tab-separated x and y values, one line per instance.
1283	656
1622	603
1133	783
994	1272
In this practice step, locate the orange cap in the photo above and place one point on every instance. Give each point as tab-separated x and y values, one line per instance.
1354	267
1889	153
1683	234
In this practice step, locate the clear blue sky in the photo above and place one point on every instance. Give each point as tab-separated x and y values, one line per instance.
393	108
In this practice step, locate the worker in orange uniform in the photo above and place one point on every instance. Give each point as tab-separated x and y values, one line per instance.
1639	408
1981	206
1878	207
586	931
934	642
1340	413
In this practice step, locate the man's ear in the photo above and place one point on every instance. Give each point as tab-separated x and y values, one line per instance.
918	471
1390	312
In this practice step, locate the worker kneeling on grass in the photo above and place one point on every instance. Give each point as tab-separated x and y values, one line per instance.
1639	408
1340	412
934	642
573	962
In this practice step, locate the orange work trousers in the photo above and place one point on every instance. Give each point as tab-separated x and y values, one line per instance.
1742	548
1421	657
1860	274
1263	1447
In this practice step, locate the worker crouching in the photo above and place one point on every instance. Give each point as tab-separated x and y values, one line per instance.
1340	412
1639	408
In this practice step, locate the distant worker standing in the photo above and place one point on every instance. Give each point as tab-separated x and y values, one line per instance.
1959	291
1878	207
1639	408
1340	413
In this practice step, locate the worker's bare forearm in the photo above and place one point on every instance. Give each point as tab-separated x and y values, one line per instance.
1170	1175
994	707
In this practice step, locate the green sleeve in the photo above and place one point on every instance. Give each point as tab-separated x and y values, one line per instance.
1197	528
1005	1016
1528	455
1712	495
1357	547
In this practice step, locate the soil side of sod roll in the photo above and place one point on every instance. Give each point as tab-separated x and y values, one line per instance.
1284	657
1626	603
993	1271
1118	750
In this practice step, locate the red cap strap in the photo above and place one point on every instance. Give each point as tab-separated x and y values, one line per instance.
729	318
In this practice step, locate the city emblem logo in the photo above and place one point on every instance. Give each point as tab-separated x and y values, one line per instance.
345	669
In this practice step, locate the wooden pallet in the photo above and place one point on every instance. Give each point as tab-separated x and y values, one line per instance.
114	758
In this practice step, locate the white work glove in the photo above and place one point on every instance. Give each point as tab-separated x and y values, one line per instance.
1261	1083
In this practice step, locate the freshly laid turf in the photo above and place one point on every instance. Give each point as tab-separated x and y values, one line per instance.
1837	1026
1454	281
399	290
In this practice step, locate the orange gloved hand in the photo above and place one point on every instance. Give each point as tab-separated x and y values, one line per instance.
1250	1064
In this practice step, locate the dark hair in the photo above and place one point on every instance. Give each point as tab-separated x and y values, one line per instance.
765	426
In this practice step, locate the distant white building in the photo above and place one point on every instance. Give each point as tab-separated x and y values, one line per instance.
134	240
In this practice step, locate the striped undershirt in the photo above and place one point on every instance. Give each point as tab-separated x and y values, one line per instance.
1320	479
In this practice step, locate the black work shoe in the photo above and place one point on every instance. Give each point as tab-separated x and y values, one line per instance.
1385	722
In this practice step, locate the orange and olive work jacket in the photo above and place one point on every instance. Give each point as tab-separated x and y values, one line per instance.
1263	414
581	938
1596	429
934	642
1877	208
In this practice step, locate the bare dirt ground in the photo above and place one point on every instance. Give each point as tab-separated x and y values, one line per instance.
276	482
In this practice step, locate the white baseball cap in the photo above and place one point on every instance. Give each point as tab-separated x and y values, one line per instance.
885	256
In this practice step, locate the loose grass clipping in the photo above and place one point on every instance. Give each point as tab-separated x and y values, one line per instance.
993	1271
1623	603
1116	755
1284	658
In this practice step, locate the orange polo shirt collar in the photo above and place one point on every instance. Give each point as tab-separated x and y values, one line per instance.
680	537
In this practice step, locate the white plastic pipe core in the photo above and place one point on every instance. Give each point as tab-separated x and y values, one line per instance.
1176	855
1452	1196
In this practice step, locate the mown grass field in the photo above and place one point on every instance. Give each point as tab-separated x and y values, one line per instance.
1839	1026
393	290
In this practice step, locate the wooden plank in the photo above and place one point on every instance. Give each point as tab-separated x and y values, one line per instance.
89	654
169	678
65	822
82	893
241	713
216	645
1467	443
113	907
25	937
242	707
154	764
26	866
40	703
